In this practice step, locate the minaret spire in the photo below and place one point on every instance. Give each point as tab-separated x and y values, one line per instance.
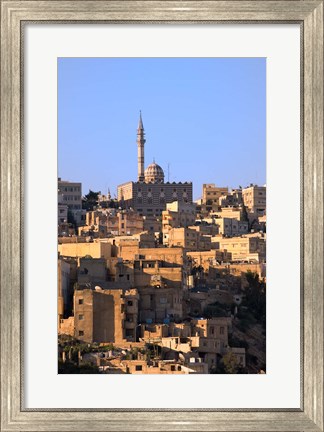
140	123
140	149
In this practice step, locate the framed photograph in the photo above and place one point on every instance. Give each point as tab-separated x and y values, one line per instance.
162	215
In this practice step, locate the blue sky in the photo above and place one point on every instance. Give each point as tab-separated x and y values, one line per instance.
205	117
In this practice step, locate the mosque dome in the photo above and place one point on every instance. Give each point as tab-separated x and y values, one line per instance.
154	173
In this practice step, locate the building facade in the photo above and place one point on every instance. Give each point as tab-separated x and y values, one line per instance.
105	315
232	227
211	195
177	215
71	193
255	199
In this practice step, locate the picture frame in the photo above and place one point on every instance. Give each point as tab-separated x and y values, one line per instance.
309	15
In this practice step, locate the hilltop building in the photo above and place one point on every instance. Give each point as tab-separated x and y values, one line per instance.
150	193
255	199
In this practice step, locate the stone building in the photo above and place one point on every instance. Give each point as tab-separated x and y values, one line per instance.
255	199
211	195
247	248
229	212
105	316
177	215
78	250
209	338
232	227
189	239
111	221
232	199
71	194
150	193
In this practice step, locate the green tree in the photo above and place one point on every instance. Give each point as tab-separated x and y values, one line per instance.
231	365
90	200
255	296
71	220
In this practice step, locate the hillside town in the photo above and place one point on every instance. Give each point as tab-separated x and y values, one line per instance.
152	282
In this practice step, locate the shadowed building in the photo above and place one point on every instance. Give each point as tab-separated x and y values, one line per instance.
105	315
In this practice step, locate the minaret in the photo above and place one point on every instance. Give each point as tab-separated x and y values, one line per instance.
140	149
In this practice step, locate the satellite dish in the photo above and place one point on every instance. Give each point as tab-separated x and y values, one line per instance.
182	357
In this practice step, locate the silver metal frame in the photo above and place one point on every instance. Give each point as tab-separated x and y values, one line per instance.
309	14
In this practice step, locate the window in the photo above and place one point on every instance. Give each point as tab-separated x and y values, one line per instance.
221	330
138	367
81	333
81	317
81	301
129	303
212	330
172	368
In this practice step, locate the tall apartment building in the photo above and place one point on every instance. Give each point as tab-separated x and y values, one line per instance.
71	193
255	199
105	315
